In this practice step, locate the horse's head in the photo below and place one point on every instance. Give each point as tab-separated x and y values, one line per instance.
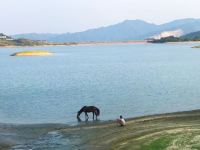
97	112
80	111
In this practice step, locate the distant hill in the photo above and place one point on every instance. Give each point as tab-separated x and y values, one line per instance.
35	36
124	31
135	29
192	36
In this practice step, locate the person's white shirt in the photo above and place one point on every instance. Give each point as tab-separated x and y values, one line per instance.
122	122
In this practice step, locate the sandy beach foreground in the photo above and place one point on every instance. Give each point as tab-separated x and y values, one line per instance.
175	131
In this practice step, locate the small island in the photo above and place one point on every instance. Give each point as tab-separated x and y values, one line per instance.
196	46
33	53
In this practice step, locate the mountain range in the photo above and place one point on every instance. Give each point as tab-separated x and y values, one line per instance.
124	31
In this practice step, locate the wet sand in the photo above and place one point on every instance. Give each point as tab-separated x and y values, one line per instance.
167	131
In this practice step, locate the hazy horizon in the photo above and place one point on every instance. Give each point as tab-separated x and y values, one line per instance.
62	16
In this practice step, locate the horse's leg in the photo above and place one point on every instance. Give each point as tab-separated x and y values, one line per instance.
96	115
93	115
86	115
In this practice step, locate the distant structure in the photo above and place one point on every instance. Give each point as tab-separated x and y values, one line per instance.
164	34
2	36
5	37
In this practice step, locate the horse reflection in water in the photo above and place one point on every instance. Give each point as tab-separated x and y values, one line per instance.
88	109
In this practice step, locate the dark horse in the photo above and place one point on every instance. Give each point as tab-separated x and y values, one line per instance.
87	109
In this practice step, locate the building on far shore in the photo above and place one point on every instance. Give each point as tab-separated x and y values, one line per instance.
2	36
5	37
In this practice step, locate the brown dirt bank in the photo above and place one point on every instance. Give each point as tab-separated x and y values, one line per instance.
167	131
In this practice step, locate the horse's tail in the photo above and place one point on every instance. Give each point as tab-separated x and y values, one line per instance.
97	111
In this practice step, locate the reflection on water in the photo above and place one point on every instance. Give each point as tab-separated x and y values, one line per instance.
52	140
40	136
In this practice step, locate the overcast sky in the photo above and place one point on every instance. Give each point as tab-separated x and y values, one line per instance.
61	16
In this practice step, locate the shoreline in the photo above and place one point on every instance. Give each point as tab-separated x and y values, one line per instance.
83	44
104	43
102	122
139	133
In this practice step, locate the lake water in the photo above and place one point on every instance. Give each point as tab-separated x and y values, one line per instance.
132	80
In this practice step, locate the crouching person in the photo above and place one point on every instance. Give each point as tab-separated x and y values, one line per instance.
121	121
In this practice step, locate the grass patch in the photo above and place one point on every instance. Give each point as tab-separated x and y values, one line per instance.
158	144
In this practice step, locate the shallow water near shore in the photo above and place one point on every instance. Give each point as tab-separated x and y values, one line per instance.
132	80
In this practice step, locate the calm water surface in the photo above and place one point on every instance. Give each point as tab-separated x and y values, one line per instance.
131	80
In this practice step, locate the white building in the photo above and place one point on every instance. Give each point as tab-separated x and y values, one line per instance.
5	37
2	36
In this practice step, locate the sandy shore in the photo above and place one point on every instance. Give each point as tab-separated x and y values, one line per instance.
104	43
84	44
173	131
111	43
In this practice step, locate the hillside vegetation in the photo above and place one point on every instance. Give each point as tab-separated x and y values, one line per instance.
26	42
20	42
195	36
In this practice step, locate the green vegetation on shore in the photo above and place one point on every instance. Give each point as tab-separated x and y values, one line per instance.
19	42
26	42
174	131
195	36
166	39
173	39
